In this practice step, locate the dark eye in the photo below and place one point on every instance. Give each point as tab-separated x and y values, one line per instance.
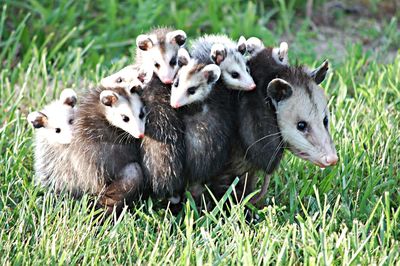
135	89
71	121
176	83
142	113
248	70
301	126
125	118
58	130
235	75
119	80
173	61
326	121
191	90
157	65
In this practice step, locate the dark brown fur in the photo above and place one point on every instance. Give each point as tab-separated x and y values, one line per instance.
162	149
103	148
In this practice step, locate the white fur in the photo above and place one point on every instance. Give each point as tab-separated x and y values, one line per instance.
122	107
179	94
170	37
234	61
281	54
154	55
242	40
314	145
245	82
56	115
128	77
254	45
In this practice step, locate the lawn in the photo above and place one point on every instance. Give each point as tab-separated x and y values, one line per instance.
347	214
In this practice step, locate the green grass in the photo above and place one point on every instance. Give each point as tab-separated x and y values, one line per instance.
348	214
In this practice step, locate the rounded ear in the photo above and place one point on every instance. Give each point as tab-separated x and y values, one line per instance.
283	51
68	97
183	57
241	46
254	44
218	53
212	73
281	54
279	90
144	42
108	98
176	37
144	74
37	119
319	73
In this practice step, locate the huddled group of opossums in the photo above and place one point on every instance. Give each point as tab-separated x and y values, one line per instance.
182	119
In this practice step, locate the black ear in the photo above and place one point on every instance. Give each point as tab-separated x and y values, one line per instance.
68	97
218	53
176	37
180	39
144	42
319	73
241	46
108	98
183	57
278	90
212	73
37	119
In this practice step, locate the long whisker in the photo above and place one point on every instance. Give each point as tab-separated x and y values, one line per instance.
260	139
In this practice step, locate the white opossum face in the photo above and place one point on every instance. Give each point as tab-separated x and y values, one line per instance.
55	122
303	118
129	77
126	114
234	71
194	81
161	56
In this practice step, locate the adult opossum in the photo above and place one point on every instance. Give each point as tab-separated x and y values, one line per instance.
287	110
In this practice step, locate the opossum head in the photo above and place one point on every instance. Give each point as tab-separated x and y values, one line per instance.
280	54
124	112
303	115
55	122
130	77
193	82
234	71
159	51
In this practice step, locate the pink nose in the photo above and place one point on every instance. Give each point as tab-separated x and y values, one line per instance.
175	105
331	159
141	136
167	81
252	86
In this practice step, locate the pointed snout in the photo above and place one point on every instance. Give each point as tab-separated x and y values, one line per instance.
175	105
252	86
141	135
331	159
167	81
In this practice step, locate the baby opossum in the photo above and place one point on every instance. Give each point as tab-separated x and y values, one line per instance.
53	134
157	50
132	78
102	157
287	110
162	148
206	107
105	149
228	55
